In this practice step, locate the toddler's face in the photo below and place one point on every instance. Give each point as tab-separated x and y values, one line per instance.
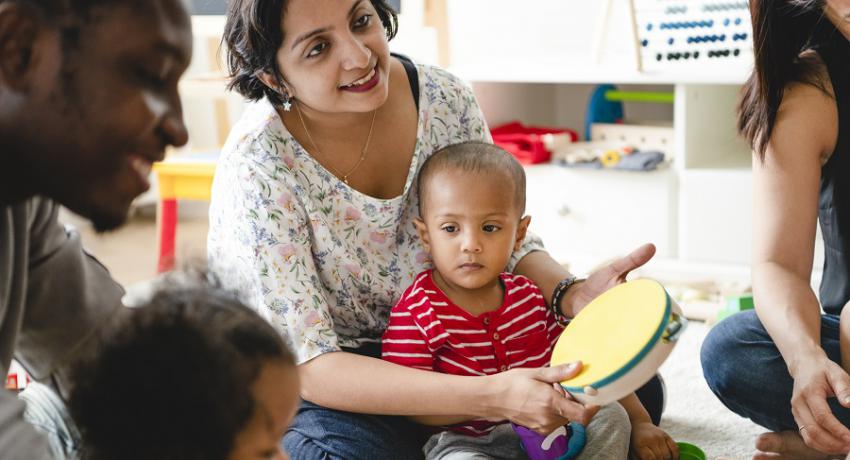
276	399
471	226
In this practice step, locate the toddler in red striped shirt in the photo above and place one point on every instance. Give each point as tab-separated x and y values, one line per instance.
467	316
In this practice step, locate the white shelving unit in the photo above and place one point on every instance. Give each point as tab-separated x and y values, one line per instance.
538	63
697	211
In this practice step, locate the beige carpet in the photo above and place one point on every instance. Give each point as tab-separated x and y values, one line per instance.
693	414
130	253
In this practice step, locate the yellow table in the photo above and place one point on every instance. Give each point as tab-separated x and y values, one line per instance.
188	179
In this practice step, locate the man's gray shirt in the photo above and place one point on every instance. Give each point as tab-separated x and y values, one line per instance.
53	297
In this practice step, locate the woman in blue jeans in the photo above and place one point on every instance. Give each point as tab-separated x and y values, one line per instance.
312	216
779	365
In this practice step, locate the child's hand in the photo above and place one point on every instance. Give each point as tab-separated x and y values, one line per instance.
651	443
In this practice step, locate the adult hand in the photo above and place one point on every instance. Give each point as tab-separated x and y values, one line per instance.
607	277
648	442
528	398
815	380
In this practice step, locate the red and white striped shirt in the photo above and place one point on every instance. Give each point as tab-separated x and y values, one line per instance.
427	331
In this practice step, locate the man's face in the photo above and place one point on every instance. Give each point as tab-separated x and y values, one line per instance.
105	107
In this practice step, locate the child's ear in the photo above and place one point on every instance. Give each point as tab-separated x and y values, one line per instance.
423	232
521	231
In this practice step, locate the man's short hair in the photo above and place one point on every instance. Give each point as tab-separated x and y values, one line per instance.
55	9
473	157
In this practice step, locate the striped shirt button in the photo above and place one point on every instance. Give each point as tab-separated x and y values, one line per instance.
495	336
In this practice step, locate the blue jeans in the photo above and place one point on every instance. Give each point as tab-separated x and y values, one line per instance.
744	369
319	433
322	433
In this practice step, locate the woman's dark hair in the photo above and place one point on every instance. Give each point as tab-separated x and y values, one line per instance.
172	379
252	36
782	30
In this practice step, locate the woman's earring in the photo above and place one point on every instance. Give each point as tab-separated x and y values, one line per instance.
287	102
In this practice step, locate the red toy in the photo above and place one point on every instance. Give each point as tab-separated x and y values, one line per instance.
525	143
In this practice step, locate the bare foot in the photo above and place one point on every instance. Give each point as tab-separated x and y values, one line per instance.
787	445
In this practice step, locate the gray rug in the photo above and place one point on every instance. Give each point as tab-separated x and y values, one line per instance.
693	414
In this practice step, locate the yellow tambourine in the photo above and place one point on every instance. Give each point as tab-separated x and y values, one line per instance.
621	337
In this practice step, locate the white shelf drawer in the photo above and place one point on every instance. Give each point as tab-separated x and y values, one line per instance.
594	215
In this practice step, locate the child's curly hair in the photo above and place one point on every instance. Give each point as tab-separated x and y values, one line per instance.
172	379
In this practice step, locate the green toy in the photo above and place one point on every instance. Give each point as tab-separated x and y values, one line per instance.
689	451
735	304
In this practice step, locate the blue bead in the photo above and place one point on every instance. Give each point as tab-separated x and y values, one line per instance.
670	41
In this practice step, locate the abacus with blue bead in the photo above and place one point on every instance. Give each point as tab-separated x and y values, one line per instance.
683	34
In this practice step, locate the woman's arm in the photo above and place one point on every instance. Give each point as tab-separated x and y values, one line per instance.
541	268
440	420
350	382
785	211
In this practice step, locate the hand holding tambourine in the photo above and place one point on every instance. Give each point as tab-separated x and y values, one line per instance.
621	338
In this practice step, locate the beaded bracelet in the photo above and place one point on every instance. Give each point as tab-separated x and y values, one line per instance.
558	296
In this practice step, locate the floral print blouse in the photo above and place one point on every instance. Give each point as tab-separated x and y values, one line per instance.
319	260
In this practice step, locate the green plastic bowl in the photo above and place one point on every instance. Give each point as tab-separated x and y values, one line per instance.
689	451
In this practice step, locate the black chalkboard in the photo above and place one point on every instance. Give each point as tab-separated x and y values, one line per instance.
214	7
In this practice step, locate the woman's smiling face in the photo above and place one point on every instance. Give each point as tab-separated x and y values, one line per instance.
335	55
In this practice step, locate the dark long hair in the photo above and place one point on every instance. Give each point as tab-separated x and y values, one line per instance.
252	36
782	30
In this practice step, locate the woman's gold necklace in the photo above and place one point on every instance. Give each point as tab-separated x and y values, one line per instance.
339	173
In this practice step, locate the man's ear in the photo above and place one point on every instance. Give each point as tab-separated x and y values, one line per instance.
19	39
521	231
423	232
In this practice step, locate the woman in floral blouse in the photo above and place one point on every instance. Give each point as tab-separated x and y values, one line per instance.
312	217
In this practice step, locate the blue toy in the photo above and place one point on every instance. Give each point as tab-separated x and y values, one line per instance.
600	109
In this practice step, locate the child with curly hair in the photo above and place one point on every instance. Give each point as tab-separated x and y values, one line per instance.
191	374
